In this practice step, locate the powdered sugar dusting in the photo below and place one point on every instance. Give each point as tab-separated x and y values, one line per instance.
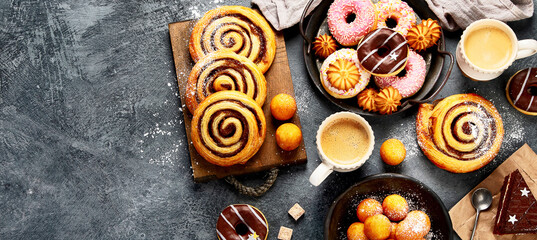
406	133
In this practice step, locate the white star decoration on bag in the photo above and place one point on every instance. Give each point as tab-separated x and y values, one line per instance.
525	192
253	236
512	219
393	56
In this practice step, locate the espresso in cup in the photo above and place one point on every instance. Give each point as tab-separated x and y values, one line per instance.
488	48
345	141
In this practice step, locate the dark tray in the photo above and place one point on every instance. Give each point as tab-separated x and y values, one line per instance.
342	213
434	58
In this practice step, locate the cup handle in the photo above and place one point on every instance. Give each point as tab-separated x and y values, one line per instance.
320	174
526	48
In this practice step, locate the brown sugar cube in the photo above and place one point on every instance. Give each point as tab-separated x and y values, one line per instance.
296	211
285	233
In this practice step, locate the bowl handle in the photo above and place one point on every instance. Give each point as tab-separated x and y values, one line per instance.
301	25
446	76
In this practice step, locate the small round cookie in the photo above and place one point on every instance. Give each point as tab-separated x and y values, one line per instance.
398	11
388	100
377	227
283	106
395	207
424	35
241	221
350	20
367	208
383	52
356	232
288	136
392	152
341	75
366	99
411	82
415	226
324	45
521	91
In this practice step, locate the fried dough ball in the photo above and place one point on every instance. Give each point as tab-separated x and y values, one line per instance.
377	227
356	231
367	208
415	226
395	207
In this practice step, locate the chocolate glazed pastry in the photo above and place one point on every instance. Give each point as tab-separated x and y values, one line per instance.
517	210
383	52
241	222
224	70
228	128
521	91
461	133
238	29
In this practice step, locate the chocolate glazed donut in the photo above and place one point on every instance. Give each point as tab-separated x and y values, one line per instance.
235	28
461	133
228	128
522	91
224	70
383	52
241	222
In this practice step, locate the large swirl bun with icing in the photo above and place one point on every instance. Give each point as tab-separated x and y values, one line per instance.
235	28
461	133
221	71
228	128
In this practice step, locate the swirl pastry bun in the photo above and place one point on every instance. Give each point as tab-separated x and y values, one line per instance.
228	128
235	28
224	70
461	133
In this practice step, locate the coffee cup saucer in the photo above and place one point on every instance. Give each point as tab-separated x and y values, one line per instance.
470	72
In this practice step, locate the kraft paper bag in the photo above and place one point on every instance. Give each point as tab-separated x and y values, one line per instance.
463	214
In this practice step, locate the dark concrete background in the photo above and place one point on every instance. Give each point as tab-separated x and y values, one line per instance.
93	146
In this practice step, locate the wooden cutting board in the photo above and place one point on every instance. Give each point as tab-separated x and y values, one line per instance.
278	81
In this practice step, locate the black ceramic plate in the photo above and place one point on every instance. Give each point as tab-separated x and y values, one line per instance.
420	197
434	58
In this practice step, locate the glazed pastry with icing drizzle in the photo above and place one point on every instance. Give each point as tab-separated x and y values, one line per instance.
235	28
521	91
224	70
461	133
241	222
383	52
228	128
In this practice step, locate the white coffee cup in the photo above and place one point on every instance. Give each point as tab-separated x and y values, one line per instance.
519	49
330	164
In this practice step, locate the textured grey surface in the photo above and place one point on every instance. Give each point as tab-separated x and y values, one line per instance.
92	142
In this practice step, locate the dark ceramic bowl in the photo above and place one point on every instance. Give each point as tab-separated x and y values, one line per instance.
420	197
434	59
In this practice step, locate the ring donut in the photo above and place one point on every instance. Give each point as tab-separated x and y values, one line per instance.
350	20
521	91
411	82
396	10
241	222
383	52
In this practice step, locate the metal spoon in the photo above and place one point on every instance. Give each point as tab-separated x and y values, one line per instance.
481	200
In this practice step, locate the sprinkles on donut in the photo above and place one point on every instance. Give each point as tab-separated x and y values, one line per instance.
350	20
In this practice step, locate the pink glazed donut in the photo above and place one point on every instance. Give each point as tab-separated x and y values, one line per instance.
411	83
397	10
350	20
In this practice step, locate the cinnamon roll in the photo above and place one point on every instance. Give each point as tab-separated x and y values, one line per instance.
236	28
228	128
224	70
461	133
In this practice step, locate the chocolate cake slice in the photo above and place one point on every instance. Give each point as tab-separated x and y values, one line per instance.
517	211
